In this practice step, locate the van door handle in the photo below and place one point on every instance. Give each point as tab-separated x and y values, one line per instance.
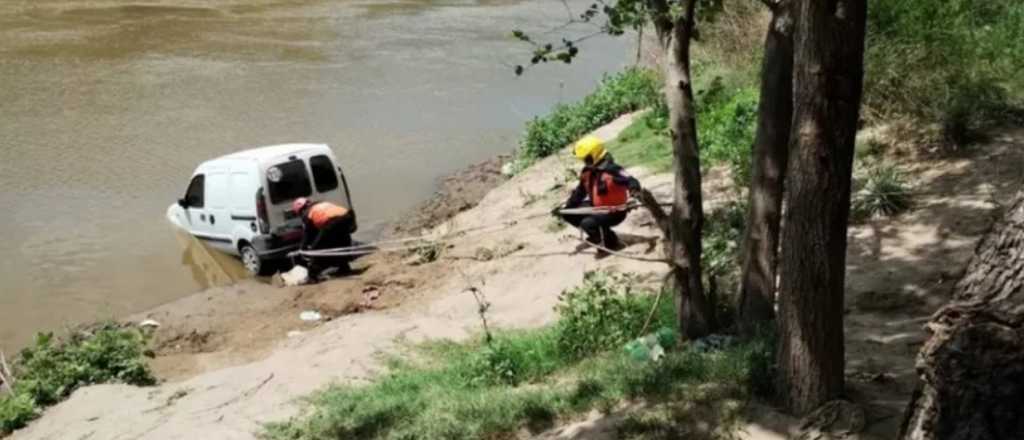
213	220
202	217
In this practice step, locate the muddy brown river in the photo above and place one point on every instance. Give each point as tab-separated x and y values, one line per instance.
106	106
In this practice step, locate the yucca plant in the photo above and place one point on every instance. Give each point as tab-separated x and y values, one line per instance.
882	191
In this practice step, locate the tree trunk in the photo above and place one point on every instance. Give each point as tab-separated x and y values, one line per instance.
686	220
828	83
972	367
770	153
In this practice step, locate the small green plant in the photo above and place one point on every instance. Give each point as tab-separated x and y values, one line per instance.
555	225
52	369
601	314
870	148
880	192
631	90
428	252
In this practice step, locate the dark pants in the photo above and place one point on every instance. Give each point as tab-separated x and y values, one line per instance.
334	234
598	227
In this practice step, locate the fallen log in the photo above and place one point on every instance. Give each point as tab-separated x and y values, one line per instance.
972	366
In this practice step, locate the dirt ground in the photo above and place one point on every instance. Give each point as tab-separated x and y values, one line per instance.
233	358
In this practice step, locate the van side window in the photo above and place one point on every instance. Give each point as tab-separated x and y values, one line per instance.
292	181
194	195
323	173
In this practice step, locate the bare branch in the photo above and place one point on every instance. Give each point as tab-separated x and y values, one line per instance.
6	376
660	217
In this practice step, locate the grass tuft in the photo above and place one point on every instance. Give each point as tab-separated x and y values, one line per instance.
880	192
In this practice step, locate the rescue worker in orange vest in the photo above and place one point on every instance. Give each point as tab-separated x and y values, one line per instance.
603	184
324	226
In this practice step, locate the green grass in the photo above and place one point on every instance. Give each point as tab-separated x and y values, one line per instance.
956	62
631	90
525	379
52	369
726	123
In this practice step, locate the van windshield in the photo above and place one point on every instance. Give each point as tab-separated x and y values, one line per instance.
289	181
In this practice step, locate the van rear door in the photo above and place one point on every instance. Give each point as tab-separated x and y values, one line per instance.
285	182
326	180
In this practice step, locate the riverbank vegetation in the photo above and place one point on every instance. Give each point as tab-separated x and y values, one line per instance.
513	380
949	68
51	369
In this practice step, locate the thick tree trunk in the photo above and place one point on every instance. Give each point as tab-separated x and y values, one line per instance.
686	220
972	368
770	154
828	83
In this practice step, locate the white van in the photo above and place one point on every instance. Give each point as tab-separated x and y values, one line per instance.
241	203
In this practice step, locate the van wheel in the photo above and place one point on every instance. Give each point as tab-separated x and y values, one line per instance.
251	260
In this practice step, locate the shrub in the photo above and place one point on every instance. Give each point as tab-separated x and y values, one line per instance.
601	314
52	369
949	61
726	124
881	192
15	412
631	90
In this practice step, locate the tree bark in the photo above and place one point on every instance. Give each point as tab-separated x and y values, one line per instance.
687	218
972	367
828	84
770	154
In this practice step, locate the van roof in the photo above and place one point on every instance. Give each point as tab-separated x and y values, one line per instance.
261	154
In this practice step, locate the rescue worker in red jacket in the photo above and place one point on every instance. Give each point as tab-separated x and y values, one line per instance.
324	226
603	184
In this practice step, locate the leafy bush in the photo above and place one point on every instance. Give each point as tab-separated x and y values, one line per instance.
631	90
726	124
51	370
15	412
601	314
723	231
955	62
880	192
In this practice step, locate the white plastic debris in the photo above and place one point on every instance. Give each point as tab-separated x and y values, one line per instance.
149	323
297	276
294	334
310	316
508	169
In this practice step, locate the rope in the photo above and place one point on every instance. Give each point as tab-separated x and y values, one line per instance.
401	244
625	255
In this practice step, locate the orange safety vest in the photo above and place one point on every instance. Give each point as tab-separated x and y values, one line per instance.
323	212
604	191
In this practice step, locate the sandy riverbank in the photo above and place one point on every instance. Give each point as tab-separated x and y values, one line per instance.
247	370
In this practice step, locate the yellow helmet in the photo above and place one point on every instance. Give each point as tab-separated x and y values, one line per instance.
590	147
